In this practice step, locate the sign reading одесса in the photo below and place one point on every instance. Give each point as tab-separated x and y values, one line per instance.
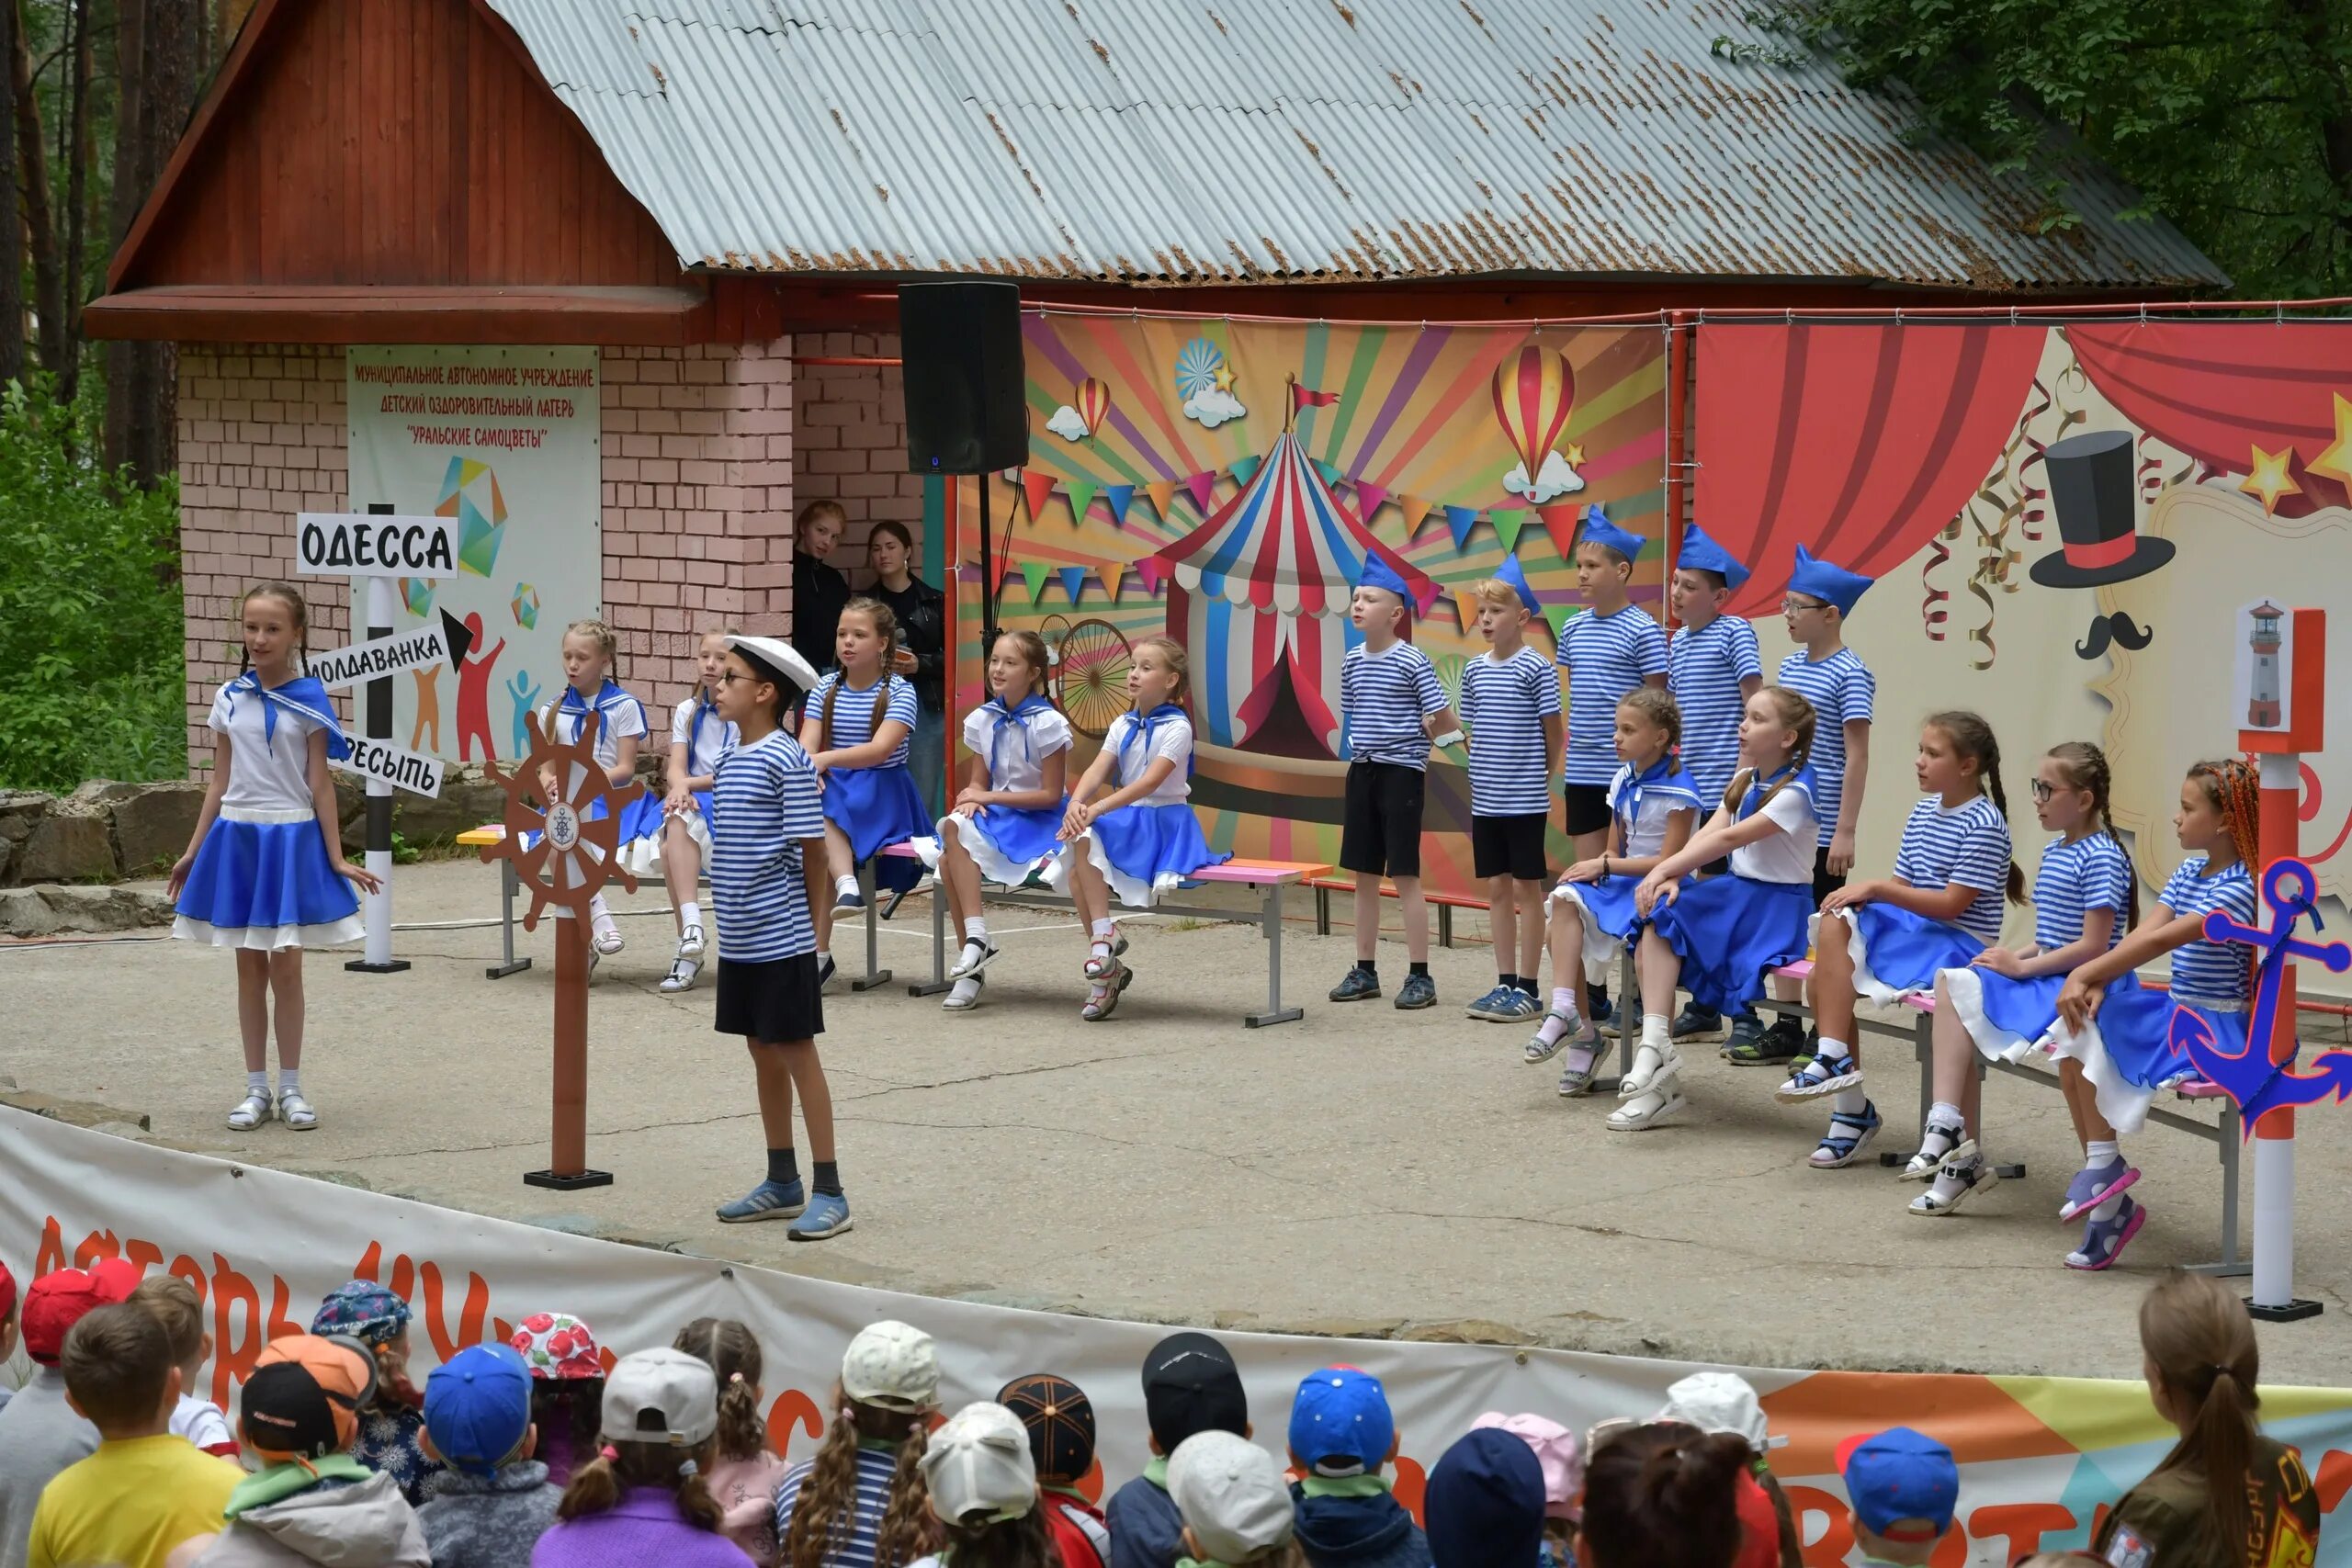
346	543
443	640
394	765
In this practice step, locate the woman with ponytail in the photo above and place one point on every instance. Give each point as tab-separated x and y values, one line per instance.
1668	1495
644	1499
861	1502
2120	1031
745	1475
2225	1496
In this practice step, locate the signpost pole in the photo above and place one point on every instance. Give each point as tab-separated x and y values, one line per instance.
376	908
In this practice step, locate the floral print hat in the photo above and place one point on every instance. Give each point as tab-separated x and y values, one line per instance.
558	1346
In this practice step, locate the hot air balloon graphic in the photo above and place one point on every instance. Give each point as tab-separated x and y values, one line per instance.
1535	392
1093	403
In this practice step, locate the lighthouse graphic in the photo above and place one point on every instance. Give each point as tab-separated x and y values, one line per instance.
2262	704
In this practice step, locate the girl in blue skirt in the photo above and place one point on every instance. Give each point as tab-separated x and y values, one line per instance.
2121	1030
590	650
1718	936
1654	804
1883	938
264	871
674	832
2005	1000
1007	822
1141	840
855	729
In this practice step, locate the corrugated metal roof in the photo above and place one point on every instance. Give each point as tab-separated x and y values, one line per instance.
1237	140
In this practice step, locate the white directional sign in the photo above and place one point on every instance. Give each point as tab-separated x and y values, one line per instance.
394	765
388	544
443	640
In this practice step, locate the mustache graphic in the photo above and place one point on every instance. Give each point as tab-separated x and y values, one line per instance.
2120	629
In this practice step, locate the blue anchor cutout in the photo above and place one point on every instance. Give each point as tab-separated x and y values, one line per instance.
2258	1084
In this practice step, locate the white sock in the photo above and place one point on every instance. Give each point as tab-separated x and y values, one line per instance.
1833	1050
2110	1209
1104	930
1851	1102
976	930
600	918
824	959
843	884
1936	1142
289	1081
1657	1029
689	913
258	1083
1562	1018
2097	1154
966	989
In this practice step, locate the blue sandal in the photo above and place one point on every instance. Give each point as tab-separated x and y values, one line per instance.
2104	1240
1849	1135
2092	1187
1810	1077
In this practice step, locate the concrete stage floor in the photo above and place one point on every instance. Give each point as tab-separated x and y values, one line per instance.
1364	1171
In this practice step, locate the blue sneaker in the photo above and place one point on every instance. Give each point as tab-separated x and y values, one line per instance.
1518	1007
828	1215
848	898
1606	1015
1418	991
1494	1006
768	1201
1357	984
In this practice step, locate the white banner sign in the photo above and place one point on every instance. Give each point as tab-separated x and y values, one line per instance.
2038	1456
394	765
427	645
343	544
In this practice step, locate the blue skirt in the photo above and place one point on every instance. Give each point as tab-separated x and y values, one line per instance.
1141	851
1729	930
1008	843
1610	922
2127	1051
644	824
875	808
2006	1017
264	880
1897	952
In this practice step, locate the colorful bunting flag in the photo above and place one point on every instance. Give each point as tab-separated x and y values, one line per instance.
1369	499
1560	522
1245	470
1033	573
1459	519
1039	488
1556	615
1330	471
1120	496
1466	604
1111	572
1508	521
1073	580
1162	492
1415	509
1300	398
1203	487
1082	496
1153	574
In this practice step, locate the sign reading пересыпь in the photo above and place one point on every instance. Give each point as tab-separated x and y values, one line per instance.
348	543
394	765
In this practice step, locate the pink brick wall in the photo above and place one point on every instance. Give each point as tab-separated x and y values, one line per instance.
852	441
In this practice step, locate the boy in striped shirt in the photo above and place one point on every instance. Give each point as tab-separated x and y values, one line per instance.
1607	651
1713	668
1511	704
1390	706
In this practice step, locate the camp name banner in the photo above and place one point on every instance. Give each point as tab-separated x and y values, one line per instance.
1222	483
506	441
2066	523
2040	1458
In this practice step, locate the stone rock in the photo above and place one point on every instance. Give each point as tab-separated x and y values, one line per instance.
153	822
20	812
69	844
75	1113
49	910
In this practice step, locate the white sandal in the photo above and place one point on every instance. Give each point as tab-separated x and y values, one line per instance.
1662	1098
251	1112
681	976
1104	999
296	1112
691	943
1102	957
960	1000
607	939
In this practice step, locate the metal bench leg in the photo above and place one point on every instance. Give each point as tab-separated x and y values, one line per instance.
1445	925
875	975
1628	985
1322	912
1270	923
508	963
938	981
2230	1145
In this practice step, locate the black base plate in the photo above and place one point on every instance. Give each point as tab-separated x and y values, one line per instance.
389	966
2295	1311
568	1183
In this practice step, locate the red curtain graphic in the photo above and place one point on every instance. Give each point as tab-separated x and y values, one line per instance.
1858	441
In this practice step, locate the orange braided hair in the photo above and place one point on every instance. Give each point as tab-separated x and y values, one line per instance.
2234	787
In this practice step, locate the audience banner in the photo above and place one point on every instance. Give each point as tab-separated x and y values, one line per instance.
2040	1457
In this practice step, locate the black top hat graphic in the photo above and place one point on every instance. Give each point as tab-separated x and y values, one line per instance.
2091	490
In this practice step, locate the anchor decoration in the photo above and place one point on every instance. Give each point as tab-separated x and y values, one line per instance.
2258	1084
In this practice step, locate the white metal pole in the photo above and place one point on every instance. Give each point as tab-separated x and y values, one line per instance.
2274	1138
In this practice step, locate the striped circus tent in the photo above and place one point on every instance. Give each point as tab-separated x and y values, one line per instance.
1259	593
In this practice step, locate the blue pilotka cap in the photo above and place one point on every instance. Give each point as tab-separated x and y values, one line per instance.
1510	572
1828	581
1378	573
1702	554
1599	530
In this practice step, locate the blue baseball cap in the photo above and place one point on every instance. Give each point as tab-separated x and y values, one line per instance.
1599	530
1702	554
1902	1475
1339	1424
1512	572
1378	573
1825	580
477	1407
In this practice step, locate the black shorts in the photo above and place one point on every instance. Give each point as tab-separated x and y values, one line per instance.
772	1003
1508	846
1588	808
1824	885
1381	833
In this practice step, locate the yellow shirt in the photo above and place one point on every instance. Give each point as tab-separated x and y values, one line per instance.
130	1503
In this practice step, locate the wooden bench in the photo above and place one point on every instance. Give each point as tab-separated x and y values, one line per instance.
1446	903
1270	877
495	833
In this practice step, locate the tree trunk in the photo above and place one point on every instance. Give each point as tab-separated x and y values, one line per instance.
78	197
157	43
40	209
12	231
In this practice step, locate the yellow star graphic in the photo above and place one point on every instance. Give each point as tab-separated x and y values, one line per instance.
2335	463
1224	376
2268	480
1575	454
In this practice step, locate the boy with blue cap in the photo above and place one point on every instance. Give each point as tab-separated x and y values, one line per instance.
1342	1438
1714	666
1841	688
494	1500
1485	1504
1390	708
1608	650
1903	1487
1511	704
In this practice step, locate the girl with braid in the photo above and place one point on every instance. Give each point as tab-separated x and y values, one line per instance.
856	730
744	1478
861	1502
2120	1031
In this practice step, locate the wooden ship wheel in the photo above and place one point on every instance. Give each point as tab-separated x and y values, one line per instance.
564	855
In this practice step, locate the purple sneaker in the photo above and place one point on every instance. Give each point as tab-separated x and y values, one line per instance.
2104	1240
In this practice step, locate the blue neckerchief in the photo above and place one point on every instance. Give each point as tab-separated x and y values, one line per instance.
703	708
1141	732
1629	799
1759	786
1014	716
302	695
610	697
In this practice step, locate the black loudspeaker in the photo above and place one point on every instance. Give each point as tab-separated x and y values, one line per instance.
961	345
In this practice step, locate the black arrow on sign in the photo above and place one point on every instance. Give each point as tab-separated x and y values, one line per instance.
454	632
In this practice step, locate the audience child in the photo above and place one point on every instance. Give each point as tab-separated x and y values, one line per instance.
643	1499
173	1301
983	1490
311	1502
1510	705
494	1501
145	1491
856	730
674	833
1882	939
1656	805
2225	1494
590	651
7	1323
1390	708
567	1389
746	1474
1609	650
861	1502
1190	1386
1060	1422
1665	1495
1342	1440
1562	1461
1840	687
1903	1487
392	1422
1713	668
40	1432
1486	1504
2121	1030
1235	1509
1725	1402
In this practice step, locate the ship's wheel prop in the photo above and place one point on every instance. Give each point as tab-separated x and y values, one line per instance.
565	859
1089	675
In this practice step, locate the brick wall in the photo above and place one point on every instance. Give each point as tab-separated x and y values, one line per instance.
852	440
